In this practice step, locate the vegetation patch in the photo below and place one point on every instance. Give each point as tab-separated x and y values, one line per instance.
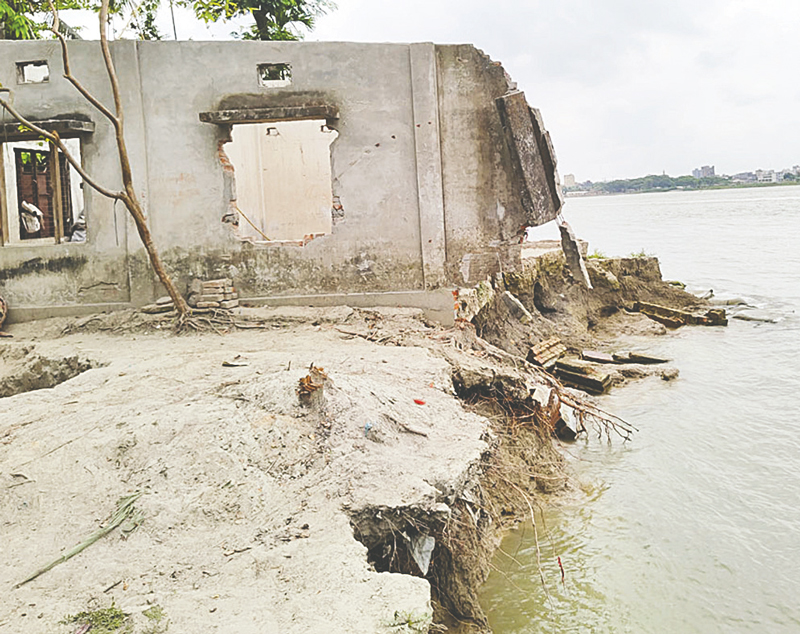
157	620
110	620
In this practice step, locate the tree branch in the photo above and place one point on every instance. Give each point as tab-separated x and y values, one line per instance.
112	73
53	137
68	73
122	149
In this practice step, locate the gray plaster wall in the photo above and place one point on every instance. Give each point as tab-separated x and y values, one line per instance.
420	166
95	271
376	247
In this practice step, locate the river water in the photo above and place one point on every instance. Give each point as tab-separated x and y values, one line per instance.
694	526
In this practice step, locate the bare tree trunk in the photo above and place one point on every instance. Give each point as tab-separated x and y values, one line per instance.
130	199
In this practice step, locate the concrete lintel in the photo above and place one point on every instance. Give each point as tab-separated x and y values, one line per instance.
531	152
436	305
427	140
14	131
270	115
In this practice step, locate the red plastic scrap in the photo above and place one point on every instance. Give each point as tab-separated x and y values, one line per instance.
419	402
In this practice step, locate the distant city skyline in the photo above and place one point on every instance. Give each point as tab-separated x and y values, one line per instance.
710	171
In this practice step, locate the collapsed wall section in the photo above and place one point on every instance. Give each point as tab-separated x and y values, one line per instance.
498	165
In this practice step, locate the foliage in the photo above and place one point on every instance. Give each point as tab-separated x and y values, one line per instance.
411	622
656	182
274	19
640	254
25	19
110	620
597	255
157	625
142	16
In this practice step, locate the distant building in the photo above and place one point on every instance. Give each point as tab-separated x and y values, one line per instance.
744	177
766	176
706	171
796	170
569	180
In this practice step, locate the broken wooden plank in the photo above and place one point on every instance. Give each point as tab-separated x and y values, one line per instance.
597	357
597	384
634	357
674	318
575	365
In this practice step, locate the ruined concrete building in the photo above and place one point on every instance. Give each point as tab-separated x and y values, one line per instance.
313	173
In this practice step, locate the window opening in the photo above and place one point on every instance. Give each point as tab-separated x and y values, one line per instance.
43	201
274	75
33	72
283	189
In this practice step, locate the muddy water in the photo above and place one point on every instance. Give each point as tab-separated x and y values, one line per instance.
695	525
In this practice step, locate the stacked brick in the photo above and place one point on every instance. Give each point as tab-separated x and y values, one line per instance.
213	294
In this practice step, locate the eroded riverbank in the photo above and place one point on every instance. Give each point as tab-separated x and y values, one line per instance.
259	512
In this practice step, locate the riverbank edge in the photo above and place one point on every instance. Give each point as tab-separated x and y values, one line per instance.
462	478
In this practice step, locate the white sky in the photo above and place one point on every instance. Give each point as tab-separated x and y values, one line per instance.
626	87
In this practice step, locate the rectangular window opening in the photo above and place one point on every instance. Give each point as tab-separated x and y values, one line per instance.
274	75
33	72
283	186
42	201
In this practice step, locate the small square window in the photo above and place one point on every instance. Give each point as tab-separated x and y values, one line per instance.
274	75
33	72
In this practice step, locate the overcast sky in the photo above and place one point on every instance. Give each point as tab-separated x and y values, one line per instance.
626	87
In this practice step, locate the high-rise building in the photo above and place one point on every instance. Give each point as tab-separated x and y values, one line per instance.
569	180
706	171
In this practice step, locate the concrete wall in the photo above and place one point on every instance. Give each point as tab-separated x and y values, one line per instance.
421	167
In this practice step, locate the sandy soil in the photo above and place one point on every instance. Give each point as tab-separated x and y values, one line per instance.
251	503
247	496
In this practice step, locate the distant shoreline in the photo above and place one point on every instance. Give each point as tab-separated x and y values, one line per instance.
585	193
